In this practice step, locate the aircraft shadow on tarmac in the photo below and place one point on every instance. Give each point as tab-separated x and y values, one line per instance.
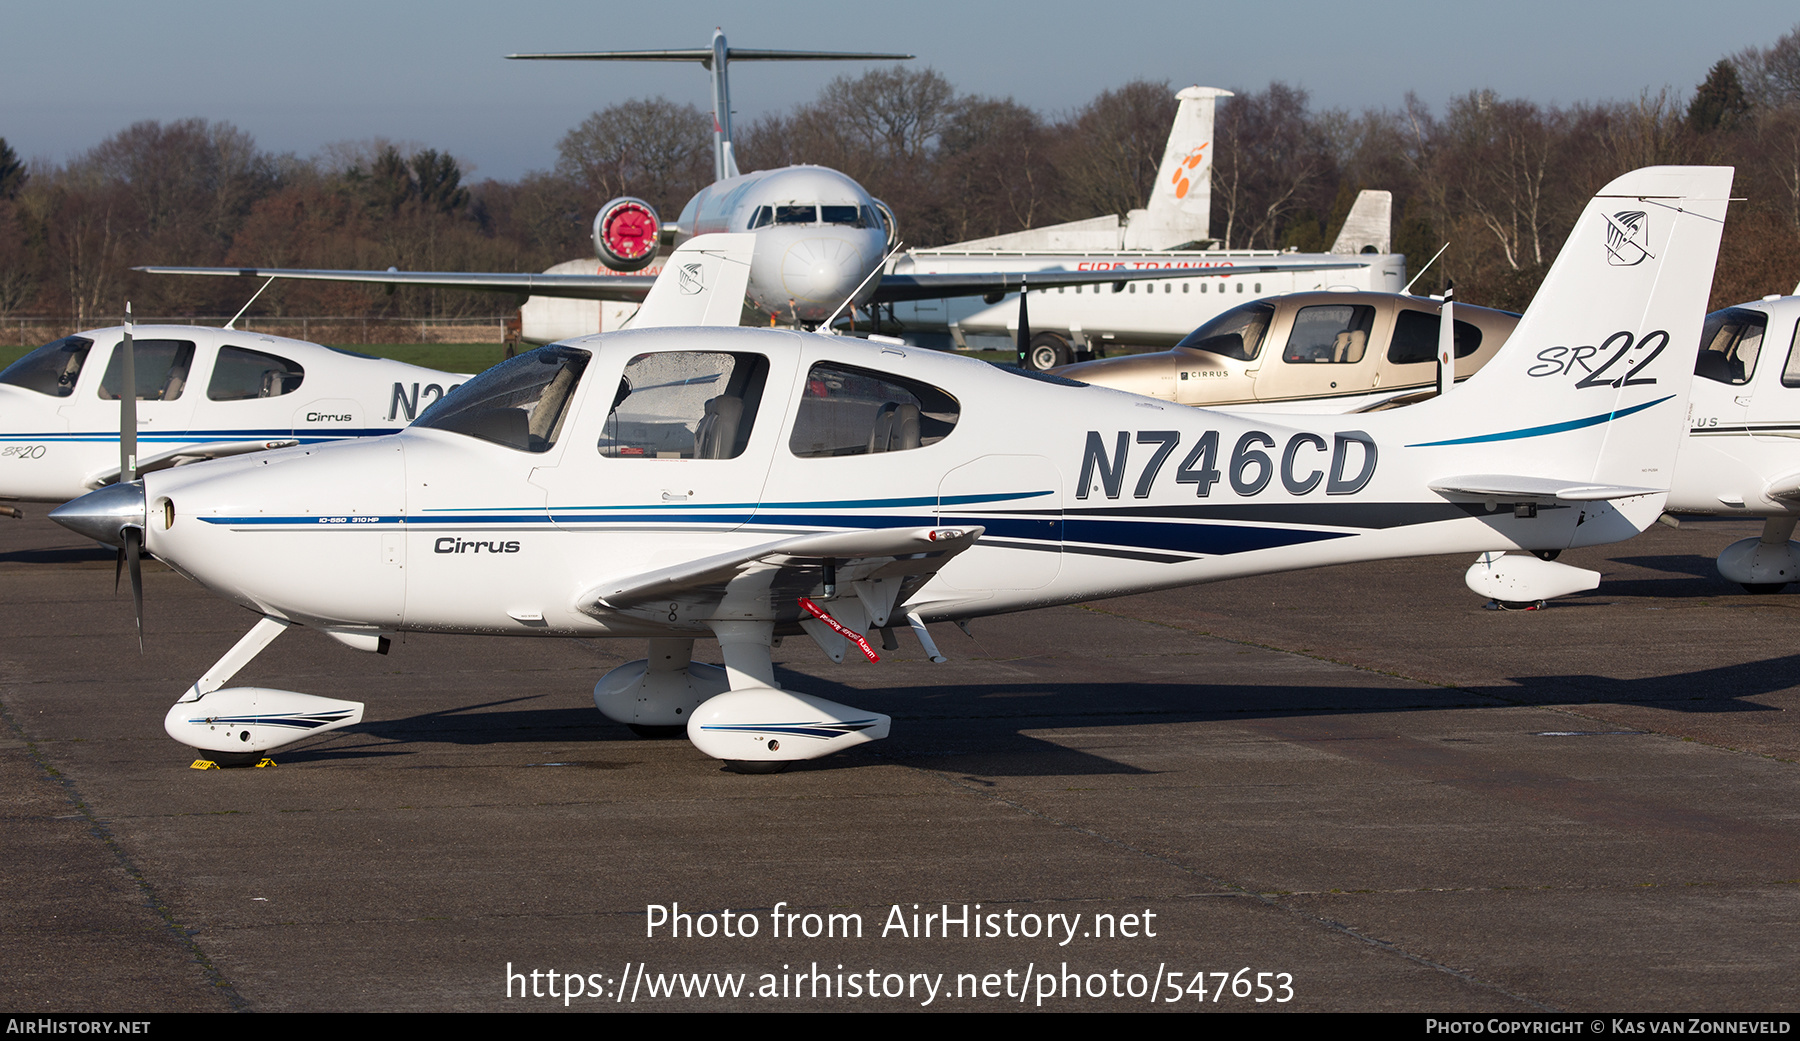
60	555
986	728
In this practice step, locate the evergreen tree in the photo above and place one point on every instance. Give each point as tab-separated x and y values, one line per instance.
1720	102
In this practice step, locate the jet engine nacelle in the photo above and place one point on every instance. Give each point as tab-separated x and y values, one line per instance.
625	234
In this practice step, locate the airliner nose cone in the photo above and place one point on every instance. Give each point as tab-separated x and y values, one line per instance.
821	272
101	515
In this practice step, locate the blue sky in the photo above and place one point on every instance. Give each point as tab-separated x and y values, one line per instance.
299	77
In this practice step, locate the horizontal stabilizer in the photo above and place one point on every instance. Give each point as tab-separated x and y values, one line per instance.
1504	486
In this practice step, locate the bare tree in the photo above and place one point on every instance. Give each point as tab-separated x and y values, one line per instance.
1271	161
1110	149
651	148
1771	75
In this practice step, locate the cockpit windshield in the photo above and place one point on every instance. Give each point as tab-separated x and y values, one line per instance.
1238	333
520	403
51	369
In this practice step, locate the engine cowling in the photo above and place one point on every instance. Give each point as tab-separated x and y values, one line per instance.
625	234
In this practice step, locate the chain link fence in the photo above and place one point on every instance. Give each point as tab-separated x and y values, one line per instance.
30	332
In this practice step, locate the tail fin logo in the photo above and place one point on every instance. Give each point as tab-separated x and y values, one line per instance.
1180	180
692	280
1627	238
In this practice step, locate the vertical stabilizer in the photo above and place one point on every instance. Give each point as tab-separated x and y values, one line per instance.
1369	225
1180	209
1590	392
702	283
724	159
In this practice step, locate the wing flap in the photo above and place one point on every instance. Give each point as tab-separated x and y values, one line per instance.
766	573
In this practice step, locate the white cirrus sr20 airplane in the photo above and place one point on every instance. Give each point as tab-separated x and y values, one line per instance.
202	393
745	484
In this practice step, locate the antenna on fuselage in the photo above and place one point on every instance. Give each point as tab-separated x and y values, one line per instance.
716	58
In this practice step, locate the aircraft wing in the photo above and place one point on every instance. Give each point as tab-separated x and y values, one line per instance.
996	284
192	454
764	582
1786	488
580	287
1503	486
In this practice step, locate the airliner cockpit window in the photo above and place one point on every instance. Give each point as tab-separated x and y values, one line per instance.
763	215
51	369
850	411
160	368
1238	333
796	214
850	215
685	405
1729	344
520	403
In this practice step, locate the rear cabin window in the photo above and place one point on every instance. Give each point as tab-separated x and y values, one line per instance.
1729	344
850	411
1330	334
1416	338
160	368
241	374
685	405
1790	374
51	369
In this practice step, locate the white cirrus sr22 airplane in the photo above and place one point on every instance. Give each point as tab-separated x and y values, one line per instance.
745	484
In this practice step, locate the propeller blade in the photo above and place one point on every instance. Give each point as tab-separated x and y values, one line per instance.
1024	328
132	549
1447	341
118	570
127	405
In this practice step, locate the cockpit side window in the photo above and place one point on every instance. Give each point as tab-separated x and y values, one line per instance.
1332	334
762	217
1238	333
1729	344
1416	338
243	375
850	411
51	369
685	405
521	403
159	366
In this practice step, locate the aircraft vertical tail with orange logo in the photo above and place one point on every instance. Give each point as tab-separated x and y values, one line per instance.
1180	209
